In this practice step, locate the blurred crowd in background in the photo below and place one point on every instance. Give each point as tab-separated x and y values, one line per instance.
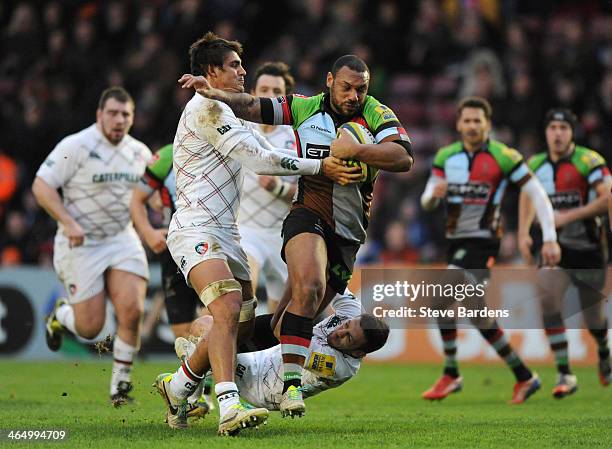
524	57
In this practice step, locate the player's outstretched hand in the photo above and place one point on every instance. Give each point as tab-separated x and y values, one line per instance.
199	83
156	240
524	243
335	170
75	234
551	254
344	146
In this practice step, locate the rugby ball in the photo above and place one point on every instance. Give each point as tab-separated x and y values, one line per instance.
360	134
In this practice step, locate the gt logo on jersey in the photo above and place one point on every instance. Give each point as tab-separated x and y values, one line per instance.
315	151
322	364
223	129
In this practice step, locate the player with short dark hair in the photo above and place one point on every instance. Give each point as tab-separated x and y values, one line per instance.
339	344
97	251
328	222
577	181
471	175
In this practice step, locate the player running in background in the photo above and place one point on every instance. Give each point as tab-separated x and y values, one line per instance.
338	345
327	223
97	251
266	200
210	147
577	182
471	176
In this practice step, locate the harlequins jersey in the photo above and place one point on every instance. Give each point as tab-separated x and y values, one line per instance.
160	176
345	208
570	183
476	185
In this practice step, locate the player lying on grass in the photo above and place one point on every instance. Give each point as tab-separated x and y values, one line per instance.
338	345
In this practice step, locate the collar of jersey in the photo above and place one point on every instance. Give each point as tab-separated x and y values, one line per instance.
483	147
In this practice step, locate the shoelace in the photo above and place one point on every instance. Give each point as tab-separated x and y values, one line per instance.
295	394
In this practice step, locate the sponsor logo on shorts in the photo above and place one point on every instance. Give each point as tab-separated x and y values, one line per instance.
240	370
183	262
342	273
201	248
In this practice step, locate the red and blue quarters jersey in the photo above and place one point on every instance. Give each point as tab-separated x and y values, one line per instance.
476	185
571	183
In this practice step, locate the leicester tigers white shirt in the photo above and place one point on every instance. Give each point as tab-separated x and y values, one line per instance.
325	366
260	208
208	181
97	179
259	375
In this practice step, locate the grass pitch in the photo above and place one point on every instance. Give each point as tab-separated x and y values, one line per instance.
380	408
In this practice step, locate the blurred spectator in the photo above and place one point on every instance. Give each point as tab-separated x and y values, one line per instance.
397	246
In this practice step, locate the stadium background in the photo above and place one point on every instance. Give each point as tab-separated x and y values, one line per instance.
57	56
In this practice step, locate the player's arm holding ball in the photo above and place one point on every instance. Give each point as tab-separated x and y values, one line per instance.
391	150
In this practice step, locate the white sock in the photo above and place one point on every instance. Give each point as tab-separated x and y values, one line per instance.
123	356
65	315
227	395
195	396
184	382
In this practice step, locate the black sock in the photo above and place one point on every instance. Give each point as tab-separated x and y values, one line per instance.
263	336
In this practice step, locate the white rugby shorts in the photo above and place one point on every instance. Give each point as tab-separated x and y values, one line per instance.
264	246
193	245
82	268
259	377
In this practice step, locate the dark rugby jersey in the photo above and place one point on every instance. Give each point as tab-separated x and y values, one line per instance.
159	175
345	208
476	185
571	183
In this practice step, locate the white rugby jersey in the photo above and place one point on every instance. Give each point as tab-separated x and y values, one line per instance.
259	375
325	366
260	208
97	179
208	181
